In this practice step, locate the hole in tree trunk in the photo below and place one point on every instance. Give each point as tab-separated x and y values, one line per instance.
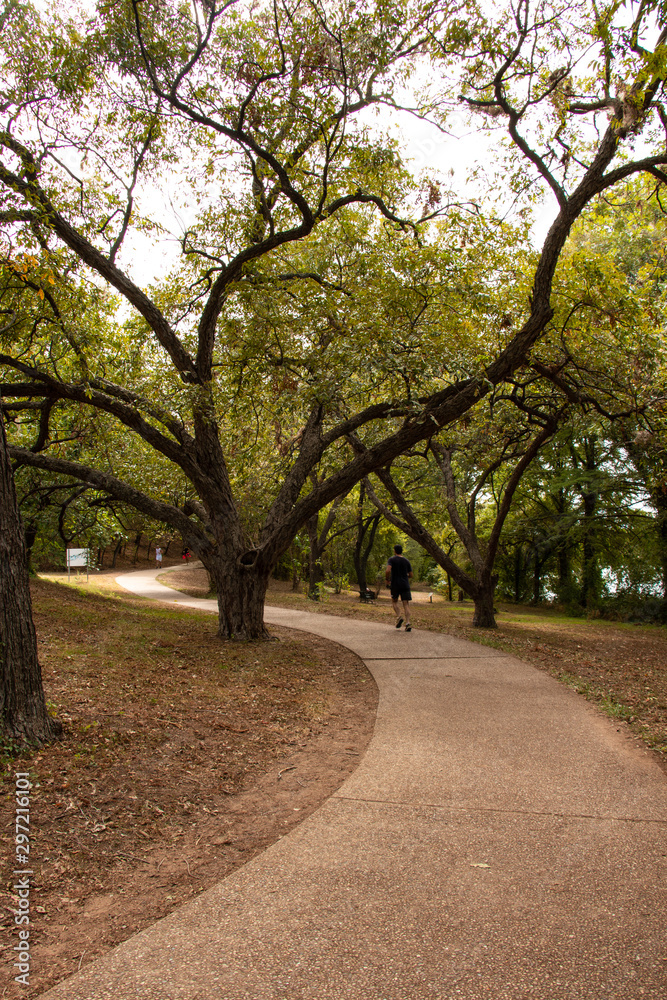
249	558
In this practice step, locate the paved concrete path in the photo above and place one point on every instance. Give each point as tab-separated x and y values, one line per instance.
500	839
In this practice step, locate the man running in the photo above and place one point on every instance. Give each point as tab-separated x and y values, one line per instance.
397	575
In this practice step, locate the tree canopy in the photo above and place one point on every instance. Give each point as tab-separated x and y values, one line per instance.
292	331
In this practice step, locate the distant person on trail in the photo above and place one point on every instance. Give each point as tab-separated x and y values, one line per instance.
185	555
158	556
397	576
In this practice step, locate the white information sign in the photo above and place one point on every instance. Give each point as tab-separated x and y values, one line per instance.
77	557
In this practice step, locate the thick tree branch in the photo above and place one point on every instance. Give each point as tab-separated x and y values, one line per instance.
413	528
90	255
119	490
513	482
443	458
89	396
311	448
44	417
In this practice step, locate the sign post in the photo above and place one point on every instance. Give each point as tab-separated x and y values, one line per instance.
77	557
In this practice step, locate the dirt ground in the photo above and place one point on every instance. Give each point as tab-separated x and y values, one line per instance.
183	757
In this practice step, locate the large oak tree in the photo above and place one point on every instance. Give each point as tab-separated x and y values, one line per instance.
252	108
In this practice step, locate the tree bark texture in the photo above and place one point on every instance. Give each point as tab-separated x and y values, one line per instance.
22	703
484	614
241	592
30	539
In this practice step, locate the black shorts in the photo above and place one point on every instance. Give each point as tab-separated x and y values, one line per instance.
402	592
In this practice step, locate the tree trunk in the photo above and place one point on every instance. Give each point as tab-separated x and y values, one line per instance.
359	565
315	570
590	572
137	543
116	552
241	594
518	573
23	712
296	561
30	539
564	571
362	552
537	577
484	616
360	570
563	547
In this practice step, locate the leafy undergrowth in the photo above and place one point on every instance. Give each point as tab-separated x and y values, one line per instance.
182	758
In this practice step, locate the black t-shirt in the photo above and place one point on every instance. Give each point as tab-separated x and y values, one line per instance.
400	567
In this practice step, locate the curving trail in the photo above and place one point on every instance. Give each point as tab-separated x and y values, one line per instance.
499	840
